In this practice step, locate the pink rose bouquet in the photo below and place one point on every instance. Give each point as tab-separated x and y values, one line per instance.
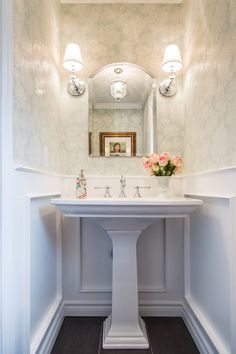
163	164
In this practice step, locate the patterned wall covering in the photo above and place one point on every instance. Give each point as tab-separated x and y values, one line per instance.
199	120
37	125
47	121
210	85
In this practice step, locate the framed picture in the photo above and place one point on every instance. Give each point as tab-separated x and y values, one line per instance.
117	143
90	134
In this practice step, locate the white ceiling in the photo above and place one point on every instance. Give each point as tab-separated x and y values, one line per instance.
121	1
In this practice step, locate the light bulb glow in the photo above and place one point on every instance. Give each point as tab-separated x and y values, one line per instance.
118	89
118	86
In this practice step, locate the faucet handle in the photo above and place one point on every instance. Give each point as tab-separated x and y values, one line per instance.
107	192
137	192
123	180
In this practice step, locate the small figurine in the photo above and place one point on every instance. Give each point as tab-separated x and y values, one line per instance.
81	186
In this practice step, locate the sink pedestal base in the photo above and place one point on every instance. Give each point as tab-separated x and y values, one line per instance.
124	328
125	341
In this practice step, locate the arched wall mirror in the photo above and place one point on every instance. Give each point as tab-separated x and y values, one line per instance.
122	111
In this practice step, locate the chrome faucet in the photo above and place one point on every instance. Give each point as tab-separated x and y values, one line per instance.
107	191
122	187
137	192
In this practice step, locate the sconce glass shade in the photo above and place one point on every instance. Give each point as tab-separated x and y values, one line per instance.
172	61
72	58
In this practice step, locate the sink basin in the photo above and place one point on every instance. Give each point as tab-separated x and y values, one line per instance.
125	220
126	207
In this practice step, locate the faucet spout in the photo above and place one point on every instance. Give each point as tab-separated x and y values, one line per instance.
122	187
107	193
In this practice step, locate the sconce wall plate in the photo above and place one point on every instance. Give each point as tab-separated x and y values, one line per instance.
168	87
75	87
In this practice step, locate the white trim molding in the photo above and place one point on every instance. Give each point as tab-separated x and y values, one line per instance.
45	337
27	169
196	325
222	170
186	310
103	308
121	1
8	286
187	256
233	274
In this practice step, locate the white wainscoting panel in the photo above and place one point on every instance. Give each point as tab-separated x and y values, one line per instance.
33	219
96	271
37	238
233	274
44	255
95	258
210	283
151	258
87	267
209	275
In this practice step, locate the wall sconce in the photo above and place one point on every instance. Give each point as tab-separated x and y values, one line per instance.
118	86
73	62
172	62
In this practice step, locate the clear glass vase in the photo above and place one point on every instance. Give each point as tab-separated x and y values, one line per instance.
163	186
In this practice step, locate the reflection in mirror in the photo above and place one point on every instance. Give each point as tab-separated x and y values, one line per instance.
122	111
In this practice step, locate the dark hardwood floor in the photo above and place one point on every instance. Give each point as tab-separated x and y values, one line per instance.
83	335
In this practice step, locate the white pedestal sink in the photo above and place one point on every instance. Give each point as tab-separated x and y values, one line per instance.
124	220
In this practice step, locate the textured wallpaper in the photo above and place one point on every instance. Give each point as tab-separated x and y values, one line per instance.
210	85
37	124
51	127
107	33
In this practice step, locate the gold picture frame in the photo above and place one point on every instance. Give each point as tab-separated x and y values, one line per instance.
90	135
117	144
